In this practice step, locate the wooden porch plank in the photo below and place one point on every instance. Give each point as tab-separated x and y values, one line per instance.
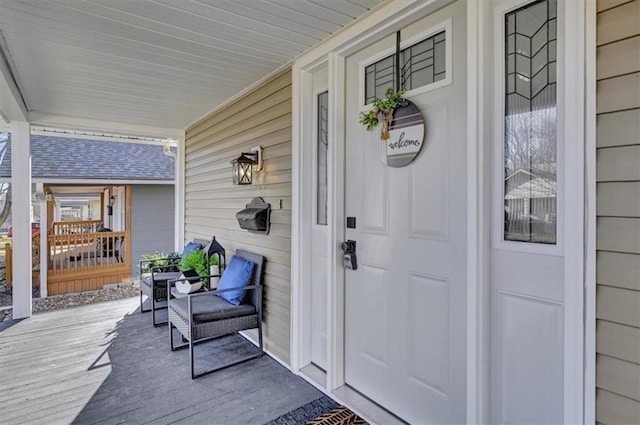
105	363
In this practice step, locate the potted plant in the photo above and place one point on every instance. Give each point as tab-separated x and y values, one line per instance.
195	261
382	110
160	259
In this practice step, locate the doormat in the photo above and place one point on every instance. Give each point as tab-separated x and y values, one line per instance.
338	416
322	411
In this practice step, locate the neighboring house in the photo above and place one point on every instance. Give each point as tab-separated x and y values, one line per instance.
498	274
127	187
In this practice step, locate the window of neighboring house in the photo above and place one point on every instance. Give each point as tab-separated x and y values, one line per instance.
322	148
530	124
421	64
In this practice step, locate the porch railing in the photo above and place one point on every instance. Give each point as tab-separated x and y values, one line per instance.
35	261
87	252
74	227
8	259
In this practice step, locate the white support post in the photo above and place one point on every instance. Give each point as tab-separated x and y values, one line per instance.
44	248
179	190
20	217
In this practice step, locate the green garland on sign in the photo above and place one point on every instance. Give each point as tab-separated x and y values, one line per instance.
384	107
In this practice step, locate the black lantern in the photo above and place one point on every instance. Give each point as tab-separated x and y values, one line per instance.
242	167
216	249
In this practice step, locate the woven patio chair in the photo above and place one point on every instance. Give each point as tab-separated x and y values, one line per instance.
153	284
207	315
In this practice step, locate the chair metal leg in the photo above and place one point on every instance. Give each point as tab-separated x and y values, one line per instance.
171	336
175	347
153	309
191	359
142	310
260	344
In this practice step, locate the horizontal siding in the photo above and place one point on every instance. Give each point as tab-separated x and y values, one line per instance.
618	376
618	212
619	341
619	234
259	118
619	93
152	221
618	129
618	269
618	305
618	23
619	58
615	409
618	199
610	4
618	164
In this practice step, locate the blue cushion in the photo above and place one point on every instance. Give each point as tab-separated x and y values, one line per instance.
191	246
237	275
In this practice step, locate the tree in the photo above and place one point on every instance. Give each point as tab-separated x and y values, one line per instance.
5	187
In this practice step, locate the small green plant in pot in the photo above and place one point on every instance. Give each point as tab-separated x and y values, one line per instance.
160	259
195	260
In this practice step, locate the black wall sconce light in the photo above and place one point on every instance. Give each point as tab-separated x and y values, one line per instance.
243	167
110	205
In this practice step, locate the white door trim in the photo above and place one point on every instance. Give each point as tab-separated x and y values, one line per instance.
336	223
478	38
574	153
590	216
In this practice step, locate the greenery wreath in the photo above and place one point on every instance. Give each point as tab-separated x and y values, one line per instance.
382	110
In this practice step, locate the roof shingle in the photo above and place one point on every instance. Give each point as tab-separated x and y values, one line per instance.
71	158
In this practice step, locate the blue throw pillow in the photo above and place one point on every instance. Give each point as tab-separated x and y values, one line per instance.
191	246
237	275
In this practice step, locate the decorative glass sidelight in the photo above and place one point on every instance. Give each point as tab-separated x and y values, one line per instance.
530	124
322	146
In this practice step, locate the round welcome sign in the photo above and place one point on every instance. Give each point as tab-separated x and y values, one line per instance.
406	137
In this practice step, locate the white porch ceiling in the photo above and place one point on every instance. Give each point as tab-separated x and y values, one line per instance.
158	63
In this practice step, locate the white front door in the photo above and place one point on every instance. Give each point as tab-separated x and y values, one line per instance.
405	305
527	264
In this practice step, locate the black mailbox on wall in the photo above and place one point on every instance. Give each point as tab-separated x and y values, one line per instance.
256	216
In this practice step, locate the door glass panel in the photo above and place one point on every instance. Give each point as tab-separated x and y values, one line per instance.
322	143
530	137
421	64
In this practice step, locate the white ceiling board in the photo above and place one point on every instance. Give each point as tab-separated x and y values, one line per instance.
160	63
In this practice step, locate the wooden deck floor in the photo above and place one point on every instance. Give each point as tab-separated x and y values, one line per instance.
106	364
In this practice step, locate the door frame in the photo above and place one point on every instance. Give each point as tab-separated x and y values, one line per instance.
379	23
